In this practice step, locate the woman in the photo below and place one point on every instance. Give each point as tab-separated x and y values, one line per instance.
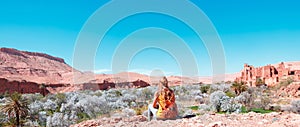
163	106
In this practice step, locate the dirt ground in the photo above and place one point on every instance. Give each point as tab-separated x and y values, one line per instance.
251	119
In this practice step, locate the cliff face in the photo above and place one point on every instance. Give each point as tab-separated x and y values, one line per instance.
25	72
21	87
35	67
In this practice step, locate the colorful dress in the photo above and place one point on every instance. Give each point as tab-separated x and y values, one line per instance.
167	106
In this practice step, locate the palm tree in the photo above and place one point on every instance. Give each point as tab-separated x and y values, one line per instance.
259	82
239	87
16	106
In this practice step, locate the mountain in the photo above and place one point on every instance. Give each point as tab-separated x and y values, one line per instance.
40	68
35	67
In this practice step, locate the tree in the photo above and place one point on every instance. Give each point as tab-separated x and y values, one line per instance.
43	88
259	82
16	106
239	87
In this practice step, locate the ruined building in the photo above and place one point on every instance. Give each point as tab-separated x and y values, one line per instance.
270	74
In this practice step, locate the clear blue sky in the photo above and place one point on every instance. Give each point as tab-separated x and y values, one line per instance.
257	32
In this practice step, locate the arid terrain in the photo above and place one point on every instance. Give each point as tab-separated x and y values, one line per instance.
41	68
208	120
60	95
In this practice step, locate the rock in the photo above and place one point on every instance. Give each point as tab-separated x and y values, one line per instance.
32	67
291	90
215	124
217	120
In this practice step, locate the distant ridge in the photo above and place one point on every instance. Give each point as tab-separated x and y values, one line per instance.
24	53
32	66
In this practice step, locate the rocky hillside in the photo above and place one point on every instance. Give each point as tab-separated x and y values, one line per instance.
30	66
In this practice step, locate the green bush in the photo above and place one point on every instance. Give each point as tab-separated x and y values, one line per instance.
194	107
204	88
230	94
244	110
260	110
82	117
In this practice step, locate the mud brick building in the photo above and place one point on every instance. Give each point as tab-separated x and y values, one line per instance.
270	74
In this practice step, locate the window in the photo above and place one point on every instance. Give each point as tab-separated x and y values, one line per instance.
292	73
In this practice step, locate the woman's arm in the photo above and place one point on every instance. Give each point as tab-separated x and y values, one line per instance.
155	100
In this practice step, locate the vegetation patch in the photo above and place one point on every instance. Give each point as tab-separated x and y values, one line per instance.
194	107
260	110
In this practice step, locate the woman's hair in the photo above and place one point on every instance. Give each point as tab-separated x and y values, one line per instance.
165	93
163	83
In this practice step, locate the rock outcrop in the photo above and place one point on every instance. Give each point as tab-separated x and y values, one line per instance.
18	65
292	90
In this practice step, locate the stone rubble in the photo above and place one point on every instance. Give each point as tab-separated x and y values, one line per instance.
218	120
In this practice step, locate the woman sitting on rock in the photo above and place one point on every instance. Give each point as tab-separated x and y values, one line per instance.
163	106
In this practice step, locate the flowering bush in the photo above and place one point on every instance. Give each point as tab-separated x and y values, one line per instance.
64	109
222	103
222	87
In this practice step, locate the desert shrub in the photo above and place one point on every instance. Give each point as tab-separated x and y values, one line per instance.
82	117
195	92
180	90
199	99
32	124
58	119
3	118
230	94
97	93
244	98
147	93
60	98
204	107
188	112
228	105
222	103
295	106
33	97
204	88
128	99
76	106
215	98
49	105
219	87
140	110
261	103
128	112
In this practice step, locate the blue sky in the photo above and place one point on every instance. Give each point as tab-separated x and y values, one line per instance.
257	32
